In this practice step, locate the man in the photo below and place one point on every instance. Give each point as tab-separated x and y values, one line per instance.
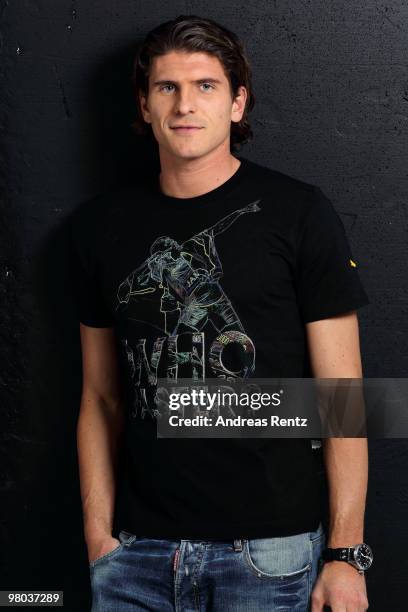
174	280
191	272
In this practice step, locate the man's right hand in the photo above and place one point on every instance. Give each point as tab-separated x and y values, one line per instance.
253	207
100	547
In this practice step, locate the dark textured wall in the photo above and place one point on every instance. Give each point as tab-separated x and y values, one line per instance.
331	83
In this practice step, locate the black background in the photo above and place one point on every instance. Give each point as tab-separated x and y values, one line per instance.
331	84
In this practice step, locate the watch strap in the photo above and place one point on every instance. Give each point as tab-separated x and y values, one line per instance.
338	554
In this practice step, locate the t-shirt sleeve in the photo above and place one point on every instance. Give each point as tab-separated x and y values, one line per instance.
328	282
89	303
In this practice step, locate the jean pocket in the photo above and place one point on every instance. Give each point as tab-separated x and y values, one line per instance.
125	539
318	535
287	558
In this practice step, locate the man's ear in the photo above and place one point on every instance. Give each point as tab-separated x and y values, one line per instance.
238	105
144	107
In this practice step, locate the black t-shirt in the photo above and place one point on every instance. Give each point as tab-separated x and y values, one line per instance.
255	258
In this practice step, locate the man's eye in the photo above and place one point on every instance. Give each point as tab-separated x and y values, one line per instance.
209	85
165	86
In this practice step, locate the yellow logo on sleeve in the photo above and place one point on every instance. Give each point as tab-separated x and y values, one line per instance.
353	263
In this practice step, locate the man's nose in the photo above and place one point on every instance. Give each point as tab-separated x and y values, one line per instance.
185	102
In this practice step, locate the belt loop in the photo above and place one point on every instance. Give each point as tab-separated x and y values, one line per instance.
176	559
238	545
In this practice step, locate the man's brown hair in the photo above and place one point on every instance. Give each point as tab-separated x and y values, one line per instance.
195	34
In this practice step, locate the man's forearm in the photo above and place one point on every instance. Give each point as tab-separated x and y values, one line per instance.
98	435
346	461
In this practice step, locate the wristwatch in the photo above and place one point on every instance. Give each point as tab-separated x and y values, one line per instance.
359	556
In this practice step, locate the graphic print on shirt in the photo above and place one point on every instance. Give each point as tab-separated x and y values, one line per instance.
187	278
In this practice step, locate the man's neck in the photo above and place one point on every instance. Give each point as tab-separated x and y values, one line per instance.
191	178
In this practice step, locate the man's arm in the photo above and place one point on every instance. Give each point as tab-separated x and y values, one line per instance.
334	349
99	431
227	221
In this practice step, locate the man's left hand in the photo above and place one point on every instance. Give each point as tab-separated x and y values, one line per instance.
340	586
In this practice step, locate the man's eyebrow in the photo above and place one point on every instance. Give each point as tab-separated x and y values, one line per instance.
171	82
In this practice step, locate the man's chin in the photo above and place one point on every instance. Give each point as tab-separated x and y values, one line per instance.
191	153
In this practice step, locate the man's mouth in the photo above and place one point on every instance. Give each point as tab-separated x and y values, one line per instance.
185	128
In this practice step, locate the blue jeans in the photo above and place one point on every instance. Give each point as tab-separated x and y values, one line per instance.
192	575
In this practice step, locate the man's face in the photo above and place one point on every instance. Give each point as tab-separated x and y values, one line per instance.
190	89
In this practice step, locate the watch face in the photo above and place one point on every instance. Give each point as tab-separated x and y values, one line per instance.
363	556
